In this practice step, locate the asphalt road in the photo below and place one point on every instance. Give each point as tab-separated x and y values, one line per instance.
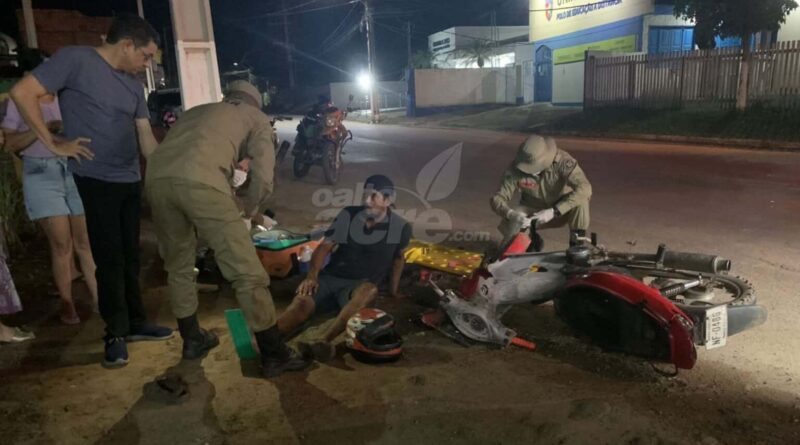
744	205
740	204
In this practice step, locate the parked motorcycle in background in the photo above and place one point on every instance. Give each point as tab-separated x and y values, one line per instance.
321	137
281	147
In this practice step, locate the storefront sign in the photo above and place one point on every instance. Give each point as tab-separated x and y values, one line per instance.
552	18
577	53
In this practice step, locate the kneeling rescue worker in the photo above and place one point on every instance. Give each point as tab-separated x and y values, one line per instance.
554	191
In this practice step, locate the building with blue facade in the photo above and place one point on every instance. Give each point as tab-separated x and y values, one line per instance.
563	30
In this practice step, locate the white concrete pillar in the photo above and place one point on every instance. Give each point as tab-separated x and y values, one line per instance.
198	70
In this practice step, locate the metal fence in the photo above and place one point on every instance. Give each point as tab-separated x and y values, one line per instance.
696	78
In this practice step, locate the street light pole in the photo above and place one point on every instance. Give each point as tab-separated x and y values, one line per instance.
408	42
289	60
373	98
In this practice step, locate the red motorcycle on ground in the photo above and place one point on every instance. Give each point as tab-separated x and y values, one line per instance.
657	306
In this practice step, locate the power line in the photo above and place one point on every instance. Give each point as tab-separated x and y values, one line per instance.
342	39
341	24
322	8
282	11
292	10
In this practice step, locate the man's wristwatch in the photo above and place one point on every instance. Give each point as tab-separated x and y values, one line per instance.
556	212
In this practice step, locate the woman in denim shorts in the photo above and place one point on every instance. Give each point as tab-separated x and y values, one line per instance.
51	199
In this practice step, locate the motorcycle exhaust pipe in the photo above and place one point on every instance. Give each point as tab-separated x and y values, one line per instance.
696	262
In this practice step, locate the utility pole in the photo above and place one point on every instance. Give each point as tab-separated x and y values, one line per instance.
495	36
408	43
289	60
151	78
373	98
30	24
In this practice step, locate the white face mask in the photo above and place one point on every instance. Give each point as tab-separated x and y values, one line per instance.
239	177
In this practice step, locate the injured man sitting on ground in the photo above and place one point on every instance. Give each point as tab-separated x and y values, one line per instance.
365	244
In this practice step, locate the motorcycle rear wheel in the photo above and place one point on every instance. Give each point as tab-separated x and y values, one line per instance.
331	163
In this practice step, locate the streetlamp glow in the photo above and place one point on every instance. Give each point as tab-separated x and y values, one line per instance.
365	81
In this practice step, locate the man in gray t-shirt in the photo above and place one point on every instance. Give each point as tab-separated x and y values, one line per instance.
106	127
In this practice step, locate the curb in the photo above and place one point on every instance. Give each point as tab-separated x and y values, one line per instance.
753	144
750	144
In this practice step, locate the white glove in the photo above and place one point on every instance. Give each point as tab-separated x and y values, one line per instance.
239	178
544	216
517	217
269	223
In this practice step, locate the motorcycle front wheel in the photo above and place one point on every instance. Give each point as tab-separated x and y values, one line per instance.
300	167
331	162
282	150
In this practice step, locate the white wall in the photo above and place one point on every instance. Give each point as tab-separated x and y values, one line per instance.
459	87
568	83
390	94
791	29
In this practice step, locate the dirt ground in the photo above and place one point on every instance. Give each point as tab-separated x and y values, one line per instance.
53	390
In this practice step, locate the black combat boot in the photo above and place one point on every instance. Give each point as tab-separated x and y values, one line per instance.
196	341
276	357
574	235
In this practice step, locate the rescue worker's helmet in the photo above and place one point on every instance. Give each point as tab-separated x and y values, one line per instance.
243	86
372	338
536	154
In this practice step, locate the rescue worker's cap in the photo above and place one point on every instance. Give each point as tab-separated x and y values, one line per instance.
248	88
536	154
381	184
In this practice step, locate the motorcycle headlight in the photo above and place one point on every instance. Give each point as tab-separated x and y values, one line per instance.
330	122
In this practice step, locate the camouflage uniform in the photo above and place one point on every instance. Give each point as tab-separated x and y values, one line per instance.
546	177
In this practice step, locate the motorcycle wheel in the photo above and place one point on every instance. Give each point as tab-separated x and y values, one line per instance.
300	168
282	150
724	289
331	163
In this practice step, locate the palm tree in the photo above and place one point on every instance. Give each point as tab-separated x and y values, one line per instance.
422	59
478	52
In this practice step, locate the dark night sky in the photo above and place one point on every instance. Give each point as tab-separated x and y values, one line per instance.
330	38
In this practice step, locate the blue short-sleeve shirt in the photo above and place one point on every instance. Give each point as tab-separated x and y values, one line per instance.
100	103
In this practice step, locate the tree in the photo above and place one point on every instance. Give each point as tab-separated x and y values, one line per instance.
736	18
422	59
478	52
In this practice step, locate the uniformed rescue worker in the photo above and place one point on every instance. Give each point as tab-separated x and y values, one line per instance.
554	191
189	184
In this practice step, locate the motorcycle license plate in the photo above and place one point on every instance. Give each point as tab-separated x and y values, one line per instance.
716	327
